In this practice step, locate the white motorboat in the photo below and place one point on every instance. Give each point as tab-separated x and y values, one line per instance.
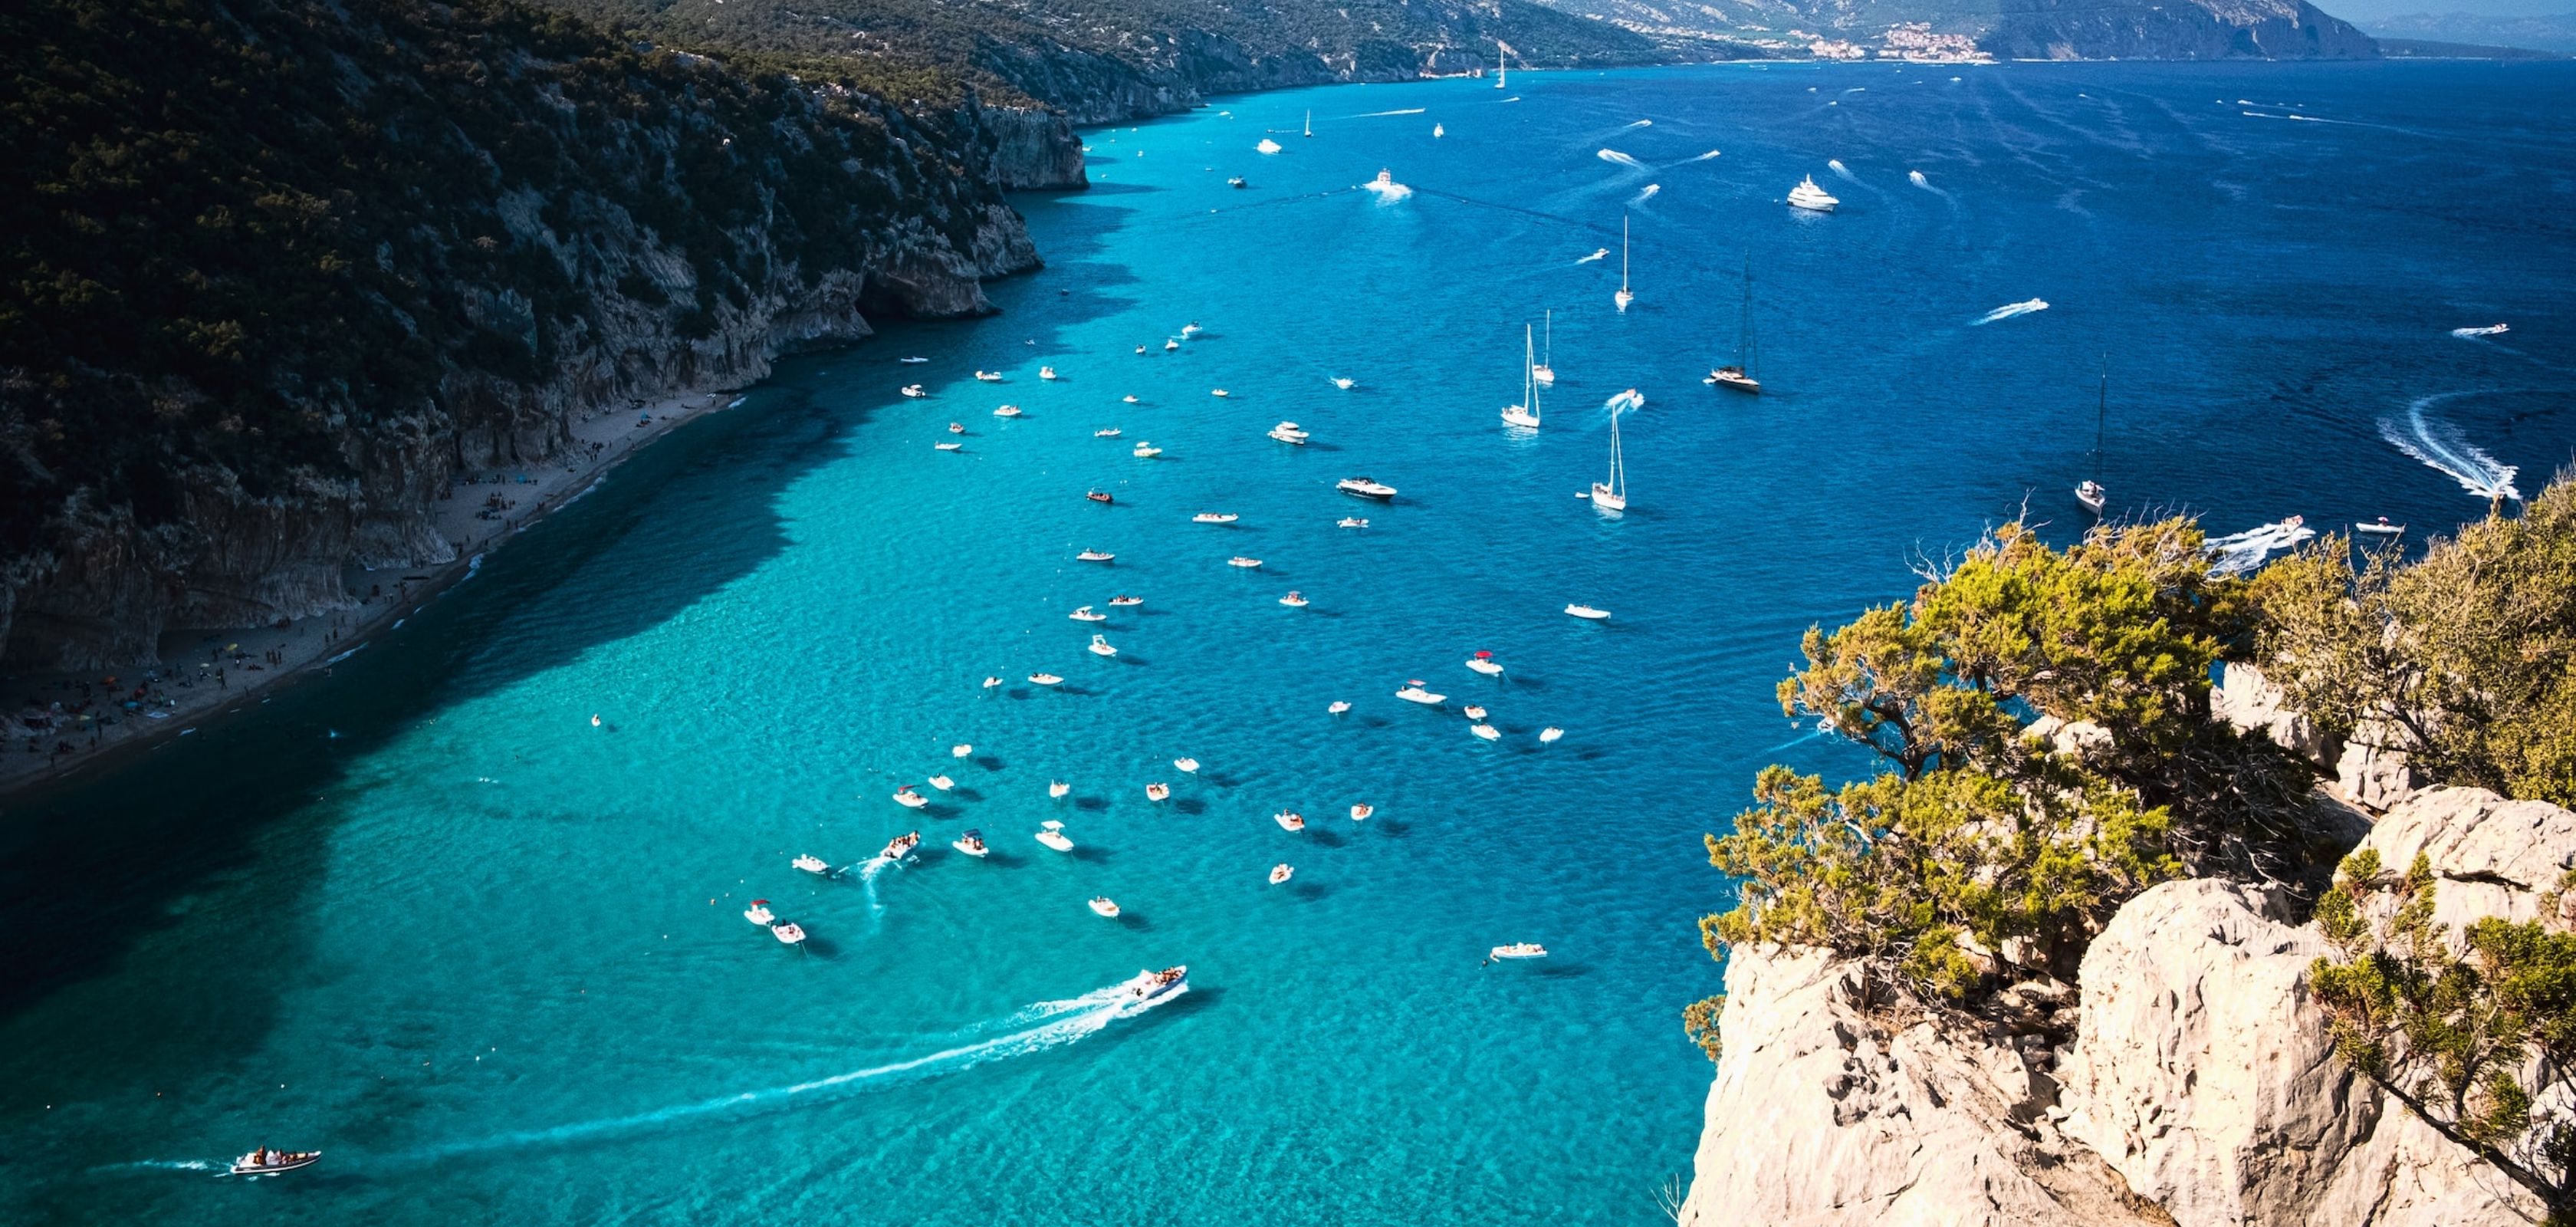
1547	736
1053	836
265	1162
1350	522
1191	329
1267	145
971	843
1007	411
758	913
1094	556
911	361
1438	131
1360	813
914	391
2090	492
901	846
1338	707
1147	451
1087	614
1215	517
1219	392
1243	562
1624	296
1140	349
1485	732
1294	599
1289	820
1475	712
909	799
1111	433
1810	197
1343	382
811	864
1105	906
1414	693
991	682
1128	399
791	933
1524	415
1186	765
1171	343
957	428
1152	986
1737	376
2380	527
1519	950
1483	662
1057	789
1045	679
1125	602
948	447
941	782
1612	495
1289	432
1543	374
2490	330
1100	646
1365	487
1158	792
1046	372
1588	613
1281	872
989	376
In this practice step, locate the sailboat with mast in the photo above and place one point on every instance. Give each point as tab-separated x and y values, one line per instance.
1502	71
1612	495
1543	374
2091	493
1738	376
1524	416
1310	125
1623	297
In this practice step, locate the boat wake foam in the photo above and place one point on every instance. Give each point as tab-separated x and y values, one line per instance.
1038	1028
2009	310
1384	114
163	1165
2238	553
1648	194
1614	156
1625	402
2441	445
1643	123
1387	193
1916	178
1604	252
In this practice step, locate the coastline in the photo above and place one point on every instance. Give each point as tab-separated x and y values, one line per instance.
254	662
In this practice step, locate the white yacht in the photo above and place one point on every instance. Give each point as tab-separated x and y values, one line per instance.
909	799
811	863
1100	646
1104	905
1111	433
1612	495
1215	517
1350	522
1518	950
1547	736
1219	392
1475	712
1147	451
971	843
1190	329
1267	145
1588	613
2090	492
1543	374
1365	488
1289	820
2490	330
1053	836
1289	432
1414	693
1737	376
948	447
1129	399
1125	602
265	1162
1338	707
1243	562
1344	382
1094	556
1524	415
1808	196
1624	296
1171	343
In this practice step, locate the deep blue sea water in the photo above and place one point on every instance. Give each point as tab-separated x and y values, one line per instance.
422	915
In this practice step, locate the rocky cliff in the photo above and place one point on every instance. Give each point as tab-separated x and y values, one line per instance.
2006	29
279	272
2195	1084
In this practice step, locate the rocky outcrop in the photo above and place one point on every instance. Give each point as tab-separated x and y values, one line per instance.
2197	1087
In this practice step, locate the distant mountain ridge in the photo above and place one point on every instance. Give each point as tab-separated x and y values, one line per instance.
1999	29
2556	32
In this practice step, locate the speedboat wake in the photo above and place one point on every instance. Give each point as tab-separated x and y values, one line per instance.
2441	445
1648	194
1614	156
2011	309
2238	553
1384	114
1703	157
1625	402
1594	256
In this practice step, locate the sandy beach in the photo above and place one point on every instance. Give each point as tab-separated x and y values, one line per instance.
205	674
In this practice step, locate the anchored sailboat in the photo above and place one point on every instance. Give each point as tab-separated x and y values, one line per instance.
1544	374
1623	297
1613	495
1739	376
2091	493
1310	125
1502	71
1525	414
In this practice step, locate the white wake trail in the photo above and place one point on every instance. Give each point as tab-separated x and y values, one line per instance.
1384	114
1703	157
1648	194
1643	123
2238	553
1613	155
2011	309
2441	445
1603	252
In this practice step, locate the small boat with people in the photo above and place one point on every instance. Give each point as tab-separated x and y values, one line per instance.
957	428
1100	646
1547	736
1294	599
914	391
262	1161
962	750
1237	182
1475	712
1130	399
2379	527
1171	343
1484	732
1088	614
901	846
909	799
1350	522
1243	562
812	864
1484	662
1045	679
1186	765
1219	393
942	783
1056	789
1150	986
1360	813
2491	330
1051	833
1281	872
758	913
1414	693
948	447
1158	792
991	682
1046	372
1191	329
1810	197
789	933
1588	613
1517	950
1111	433
1365	487
1147	451
971	843
1290	433
1140	349
1125	602
1289	820
1100	496
1105	906
1338	707
1007	411
1215	517
989	376
1095	556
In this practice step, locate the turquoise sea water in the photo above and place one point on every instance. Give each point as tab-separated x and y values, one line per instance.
424	916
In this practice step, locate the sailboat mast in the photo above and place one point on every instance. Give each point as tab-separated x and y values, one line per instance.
1618	469
1526	381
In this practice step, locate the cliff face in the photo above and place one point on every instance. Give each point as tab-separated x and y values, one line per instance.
2197	1088
281	272
2208	30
